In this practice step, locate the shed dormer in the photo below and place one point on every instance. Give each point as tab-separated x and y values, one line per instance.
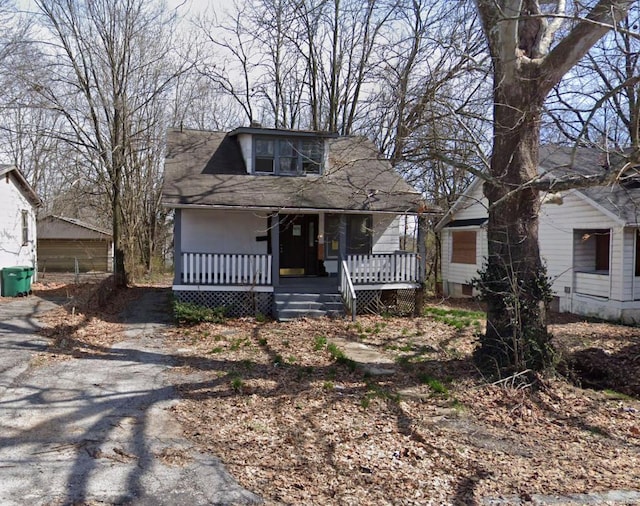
279	152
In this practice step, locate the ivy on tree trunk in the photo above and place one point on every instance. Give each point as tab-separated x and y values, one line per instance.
525	67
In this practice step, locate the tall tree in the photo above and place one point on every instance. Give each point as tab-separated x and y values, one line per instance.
533	44
107	71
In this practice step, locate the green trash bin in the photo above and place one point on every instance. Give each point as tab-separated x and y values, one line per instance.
29	273
15	281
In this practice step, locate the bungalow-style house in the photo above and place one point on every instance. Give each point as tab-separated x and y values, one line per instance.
18	203
286	222
70	245
589	239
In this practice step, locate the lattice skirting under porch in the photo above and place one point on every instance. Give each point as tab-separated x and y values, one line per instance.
237	304
396	302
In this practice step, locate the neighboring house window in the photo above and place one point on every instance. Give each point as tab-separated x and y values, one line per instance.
591	250
463	247
359	234
602	250
25	228
288	156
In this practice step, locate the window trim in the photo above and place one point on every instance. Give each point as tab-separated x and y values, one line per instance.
300	157
25	227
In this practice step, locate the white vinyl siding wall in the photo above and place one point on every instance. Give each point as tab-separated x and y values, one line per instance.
386	234
455	275
558	224
223	232
12	250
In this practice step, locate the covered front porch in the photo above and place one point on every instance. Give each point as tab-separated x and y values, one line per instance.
340	256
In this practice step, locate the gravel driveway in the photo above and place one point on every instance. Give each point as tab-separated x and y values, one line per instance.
98	429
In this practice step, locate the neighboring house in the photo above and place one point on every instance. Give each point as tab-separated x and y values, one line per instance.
275	221
70	245
589	239
18	203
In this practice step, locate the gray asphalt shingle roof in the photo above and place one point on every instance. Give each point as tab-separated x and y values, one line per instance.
622	201
207	169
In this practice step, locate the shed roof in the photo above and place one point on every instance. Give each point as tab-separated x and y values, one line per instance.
207	169
59	227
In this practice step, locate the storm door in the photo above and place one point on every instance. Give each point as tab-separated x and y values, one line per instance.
298	245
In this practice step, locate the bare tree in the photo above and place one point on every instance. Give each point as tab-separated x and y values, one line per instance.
601	104
533	45
107	70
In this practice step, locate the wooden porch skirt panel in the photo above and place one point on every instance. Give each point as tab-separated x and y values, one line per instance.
398	302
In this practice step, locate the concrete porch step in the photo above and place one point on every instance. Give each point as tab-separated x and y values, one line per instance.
291	305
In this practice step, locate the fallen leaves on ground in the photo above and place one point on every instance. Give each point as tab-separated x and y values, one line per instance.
298	427
297	424
80	326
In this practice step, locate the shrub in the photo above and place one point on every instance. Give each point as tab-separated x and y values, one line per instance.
187	313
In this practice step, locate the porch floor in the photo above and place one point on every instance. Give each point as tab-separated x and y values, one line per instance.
308	284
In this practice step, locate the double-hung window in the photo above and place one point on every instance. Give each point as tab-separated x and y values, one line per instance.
25	227
288	157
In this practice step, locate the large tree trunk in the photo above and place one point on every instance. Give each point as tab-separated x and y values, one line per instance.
514	281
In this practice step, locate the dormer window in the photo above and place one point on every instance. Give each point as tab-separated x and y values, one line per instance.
287	157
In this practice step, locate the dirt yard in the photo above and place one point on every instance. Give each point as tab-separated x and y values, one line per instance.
296	423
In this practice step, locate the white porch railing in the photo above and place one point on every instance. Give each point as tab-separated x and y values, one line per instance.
591	283
383	268
226	269
347	290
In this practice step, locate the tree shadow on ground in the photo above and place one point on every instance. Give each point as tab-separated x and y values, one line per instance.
104	411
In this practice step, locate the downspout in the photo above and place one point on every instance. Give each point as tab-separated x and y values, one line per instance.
177	247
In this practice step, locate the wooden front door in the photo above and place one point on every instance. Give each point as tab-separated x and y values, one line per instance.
298	245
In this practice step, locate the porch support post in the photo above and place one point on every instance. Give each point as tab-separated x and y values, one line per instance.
422	263
177	247
275	249
342	237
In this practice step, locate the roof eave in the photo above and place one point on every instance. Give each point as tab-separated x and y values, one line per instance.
273	209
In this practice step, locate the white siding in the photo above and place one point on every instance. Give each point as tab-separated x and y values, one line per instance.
12	202
629	284
473	205
454	274
605	296
386	233
206	231
556	234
